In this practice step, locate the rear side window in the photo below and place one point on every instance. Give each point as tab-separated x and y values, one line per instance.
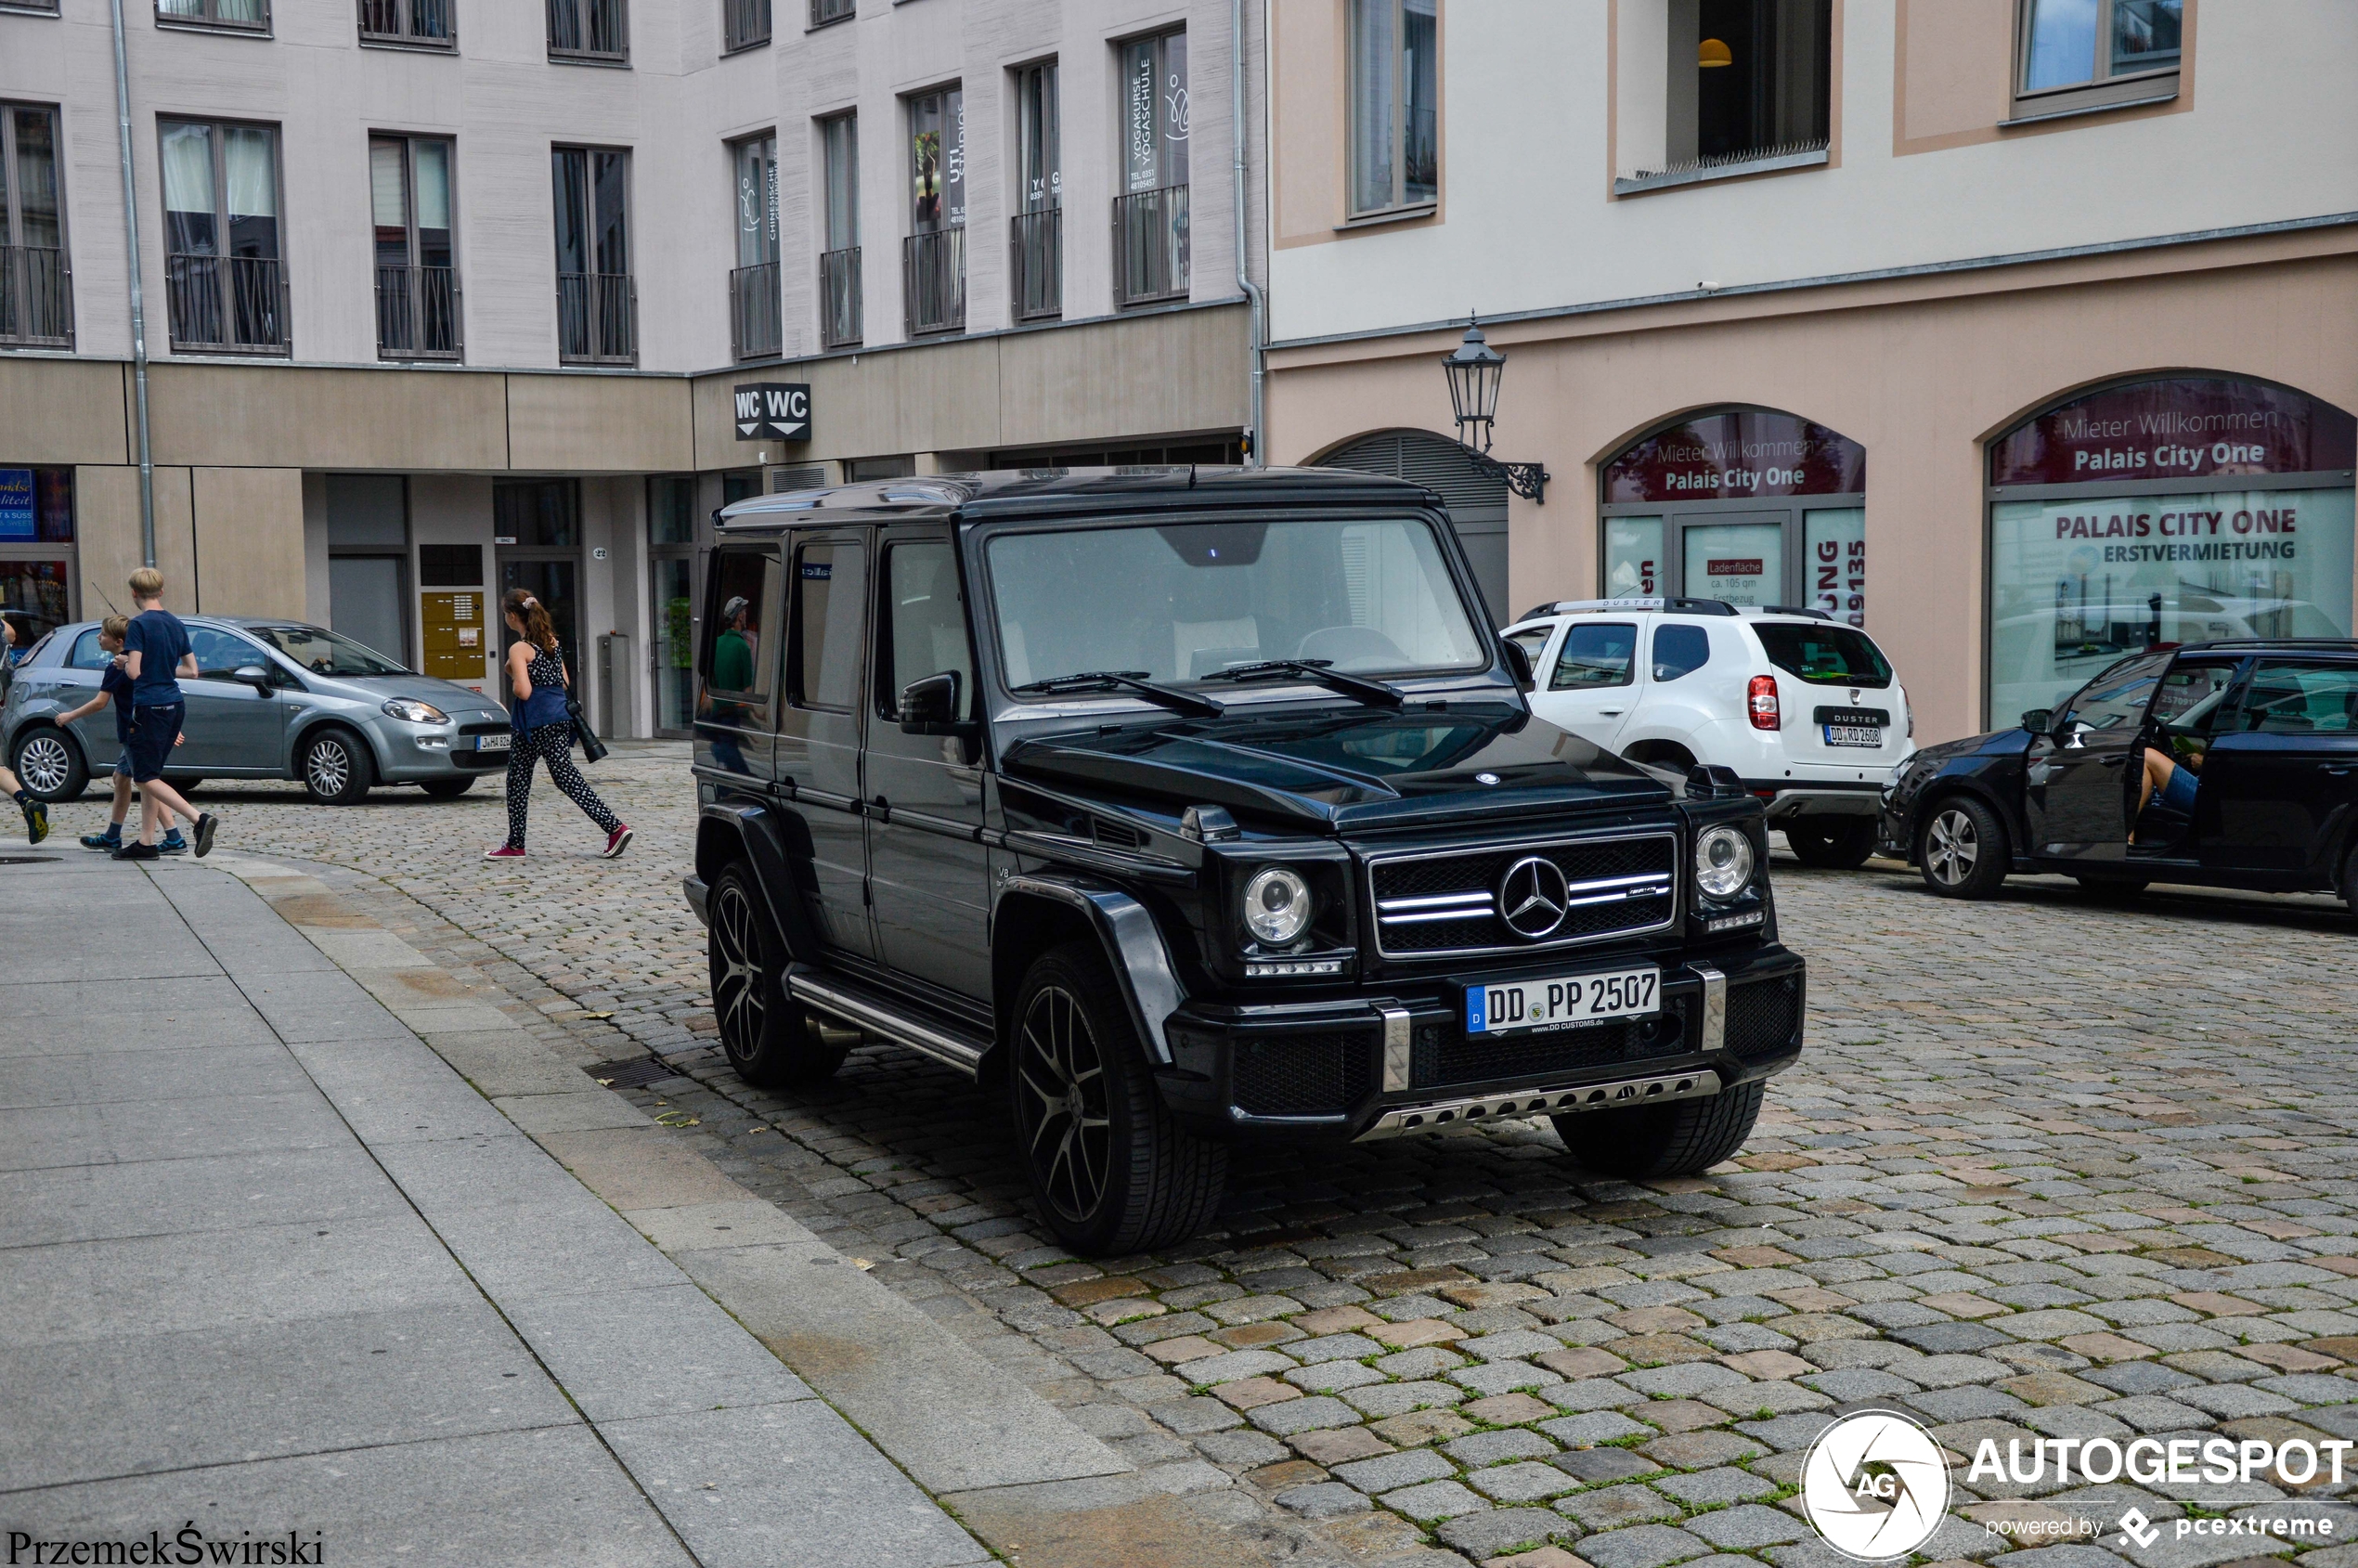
1594	654
738	652
1679	650
1823	653
2302	699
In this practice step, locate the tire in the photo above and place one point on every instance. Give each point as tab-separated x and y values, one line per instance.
48	763
1114	1172
448	789
337	768
1962	848
1683	1138
1831	843
771	1043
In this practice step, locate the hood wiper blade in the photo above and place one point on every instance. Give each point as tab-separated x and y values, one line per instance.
1375	693
1128	681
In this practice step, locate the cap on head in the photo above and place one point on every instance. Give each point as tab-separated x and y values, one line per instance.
735	607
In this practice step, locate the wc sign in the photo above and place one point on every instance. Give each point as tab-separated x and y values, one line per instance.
773	411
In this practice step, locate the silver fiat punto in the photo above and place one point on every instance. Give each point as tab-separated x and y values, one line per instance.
273	699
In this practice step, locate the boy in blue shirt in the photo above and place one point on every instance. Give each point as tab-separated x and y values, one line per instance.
156	651
36	813
114	689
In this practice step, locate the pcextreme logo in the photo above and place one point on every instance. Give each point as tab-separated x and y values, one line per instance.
1874	1485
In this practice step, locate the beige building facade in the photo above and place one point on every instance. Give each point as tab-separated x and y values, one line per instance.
2016	331
441	296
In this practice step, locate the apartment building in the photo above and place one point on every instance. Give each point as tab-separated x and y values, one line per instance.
2017	330
444	296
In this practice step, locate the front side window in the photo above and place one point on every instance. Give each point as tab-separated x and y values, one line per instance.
2087	43
220	654
322	651
36	301
927	630
1394	104
1593	655
586	30
417	270
2192	697
1373	595
830	581
1151	223
224	278
422	24
2300	699
597	301
246	14
1824	654
2117	699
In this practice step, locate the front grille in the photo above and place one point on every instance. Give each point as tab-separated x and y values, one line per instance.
1763	1018
1448	902
1310	1074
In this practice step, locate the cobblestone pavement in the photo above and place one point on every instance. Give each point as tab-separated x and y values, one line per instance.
2050	1168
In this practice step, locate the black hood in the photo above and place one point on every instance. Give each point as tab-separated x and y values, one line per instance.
1355	769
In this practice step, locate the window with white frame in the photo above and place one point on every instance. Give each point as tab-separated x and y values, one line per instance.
1395	88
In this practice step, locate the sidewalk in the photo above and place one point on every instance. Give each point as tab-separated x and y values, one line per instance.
268	1265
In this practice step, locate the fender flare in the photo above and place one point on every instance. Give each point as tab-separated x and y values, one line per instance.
1132	942
764	839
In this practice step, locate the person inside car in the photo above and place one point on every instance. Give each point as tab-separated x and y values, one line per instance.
2183	708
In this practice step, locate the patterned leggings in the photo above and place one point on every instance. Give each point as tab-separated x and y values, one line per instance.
554	745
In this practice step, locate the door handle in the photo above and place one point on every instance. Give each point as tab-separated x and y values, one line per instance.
2114	761
1609	713
2338	769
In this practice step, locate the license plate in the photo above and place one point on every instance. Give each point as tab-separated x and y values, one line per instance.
1854	735
1567	1003
492	743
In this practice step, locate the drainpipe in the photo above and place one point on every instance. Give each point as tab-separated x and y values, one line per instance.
138	306
1244	281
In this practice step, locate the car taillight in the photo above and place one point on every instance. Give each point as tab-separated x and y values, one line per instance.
1761	703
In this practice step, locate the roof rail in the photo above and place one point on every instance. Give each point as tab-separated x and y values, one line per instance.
1793	610
1594	606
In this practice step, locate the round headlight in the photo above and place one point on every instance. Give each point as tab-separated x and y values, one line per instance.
1276	906
1723	861
410	711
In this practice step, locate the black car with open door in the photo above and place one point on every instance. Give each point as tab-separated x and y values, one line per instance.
1182	806
2225	764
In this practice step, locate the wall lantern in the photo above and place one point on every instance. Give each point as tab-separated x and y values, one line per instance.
1474	372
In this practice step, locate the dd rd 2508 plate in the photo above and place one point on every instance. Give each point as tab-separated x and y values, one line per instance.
1565	1003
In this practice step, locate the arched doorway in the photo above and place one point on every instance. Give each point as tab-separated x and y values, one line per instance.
1477	502
1753	506
2165	510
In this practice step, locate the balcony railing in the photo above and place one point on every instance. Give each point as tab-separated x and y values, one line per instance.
933	281
824	11
227	304
422	24
416	313
588	29
1037	275
36	298
745	24
839	298
597	319
755	330
1150	246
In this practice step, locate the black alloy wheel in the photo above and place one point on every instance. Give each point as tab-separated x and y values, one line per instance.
49	766
771	1043
337	769
1961	849
1831	843
1113	1170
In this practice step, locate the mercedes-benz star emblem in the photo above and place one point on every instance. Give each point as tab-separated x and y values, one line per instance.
1532	897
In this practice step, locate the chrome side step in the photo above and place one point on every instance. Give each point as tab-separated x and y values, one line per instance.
863	1009
1693	1084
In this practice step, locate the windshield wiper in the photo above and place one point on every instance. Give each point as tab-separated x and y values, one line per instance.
1128	681
1375	693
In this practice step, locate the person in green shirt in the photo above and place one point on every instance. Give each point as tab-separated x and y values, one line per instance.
732	650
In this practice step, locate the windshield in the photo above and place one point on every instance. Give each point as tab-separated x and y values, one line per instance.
322	651
1823	655
1182	601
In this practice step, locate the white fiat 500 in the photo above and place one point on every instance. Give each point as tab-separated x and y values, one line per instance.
1805	708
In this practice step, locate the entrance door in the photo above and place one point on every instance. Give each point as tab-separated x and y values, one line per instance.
553	583
365	601
1736	556
673	601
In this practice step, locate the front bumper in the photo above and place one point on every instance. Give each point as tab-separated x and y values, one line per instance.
1782	798
1377	1065
420	754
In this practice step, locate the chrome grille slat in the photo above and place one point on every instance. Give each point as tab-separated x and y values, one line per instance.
1442	904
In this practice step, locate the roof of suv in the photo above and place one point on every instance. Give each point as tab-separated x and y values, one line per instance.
1033	491
1718	607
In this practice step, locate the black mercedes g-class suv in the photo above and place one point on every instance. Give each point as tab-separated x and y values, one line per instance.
1188	805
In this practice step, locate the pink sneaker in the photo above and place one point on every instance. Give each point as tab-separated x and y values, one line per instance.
616	842
505	852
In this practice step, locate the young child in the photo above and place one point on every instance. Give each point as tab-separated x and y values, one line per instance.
36	813
156	653
114	689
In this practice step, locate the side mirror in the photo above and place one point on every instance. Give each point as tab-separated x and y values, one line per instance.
1518	666
930	706
252	675
2038	720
